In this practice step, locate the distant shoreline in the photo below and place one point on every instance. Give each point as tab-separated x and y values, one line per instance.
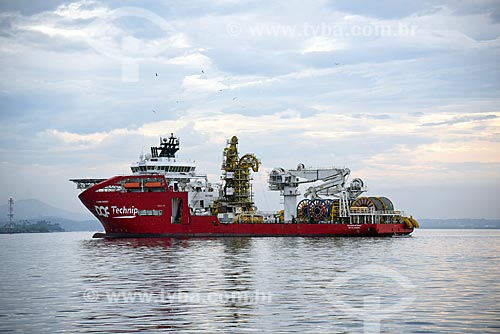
426	224
26	226
464	223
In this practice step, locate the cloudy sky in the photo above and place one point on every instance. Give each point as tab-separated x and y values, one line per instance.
404	93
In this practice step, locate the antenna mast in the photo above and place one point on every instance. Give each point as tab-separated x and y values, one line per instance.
11	211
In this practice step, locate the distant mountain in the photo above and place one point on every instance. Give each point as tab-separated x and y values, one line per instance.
32	209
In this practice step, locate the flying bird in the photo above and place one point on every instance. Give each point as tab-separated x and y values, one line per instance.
234	98
156	74
202	71
154	111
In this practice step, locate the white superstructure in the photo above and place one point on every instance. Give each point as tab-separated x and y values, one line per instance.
180	175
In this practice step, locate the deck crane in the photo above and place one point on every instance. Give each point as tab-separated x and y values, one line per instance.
334	185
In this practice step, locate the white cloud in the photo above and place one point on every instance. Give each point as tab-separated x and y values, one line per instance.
198	83
195	60
85	9
71	141
53	31
322	44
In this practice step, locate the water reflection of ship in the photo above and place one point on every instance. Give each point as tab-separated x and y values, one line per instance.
236	263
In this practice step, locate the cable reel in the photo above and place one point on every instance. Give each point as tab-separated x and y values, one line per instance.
303	209
317	210
377	203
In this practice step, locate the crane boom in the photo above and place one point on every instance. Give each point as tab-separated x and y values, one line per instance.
333	184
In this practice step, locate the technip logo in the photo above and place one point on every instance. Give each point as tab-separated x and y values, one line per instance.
102	211
117	212
124	210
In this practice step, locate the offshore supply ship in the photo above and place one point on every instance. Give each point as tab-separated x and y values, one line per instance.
165	197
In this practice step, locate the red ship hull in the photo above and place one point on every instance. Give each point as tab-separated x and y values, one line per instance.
155	214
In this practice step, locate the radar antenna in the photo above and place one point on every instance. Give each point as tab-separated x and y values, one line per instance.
167	149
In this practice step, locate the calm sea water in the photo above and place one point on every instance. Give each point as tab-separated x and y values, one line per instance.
435	281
